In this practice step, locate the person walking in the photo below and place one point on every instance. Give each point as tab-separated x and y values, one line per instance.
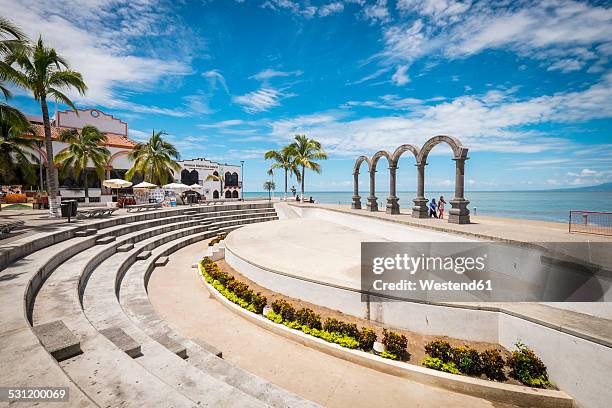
293	190
441	203
433	208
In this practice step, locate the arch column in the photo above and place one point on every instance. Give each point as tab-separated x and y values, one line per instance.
459	213
419	210
356	204
372	205
392	200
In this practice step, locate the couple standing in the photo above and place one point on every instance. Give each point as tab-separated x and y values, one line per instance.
436	210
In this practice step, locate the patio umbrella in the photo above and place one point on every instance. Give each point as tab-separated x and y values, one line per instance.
195	187
176	186
144	184
116	183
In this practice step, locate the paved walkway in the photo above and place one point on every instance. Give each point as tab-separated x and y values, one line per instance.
180	298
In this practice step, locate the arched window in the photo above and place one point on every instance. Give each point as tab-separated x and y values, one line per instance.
185	178
194	177
215	173
228	194
235	194
235	178
215	194
228	179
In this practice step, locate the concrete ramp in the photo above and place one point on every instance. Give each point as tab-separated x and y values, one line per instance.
285	211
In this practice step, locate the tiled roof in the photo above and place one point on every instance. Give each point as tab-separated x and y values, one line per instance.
112	139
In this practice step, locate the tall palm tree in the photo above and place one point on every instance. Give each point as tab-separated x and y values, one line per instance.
84	147
46	74
269	186
155	159
283	160
306	151
16	148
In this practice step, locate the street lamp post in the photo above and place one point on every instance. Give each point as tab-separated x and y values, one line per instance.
242	180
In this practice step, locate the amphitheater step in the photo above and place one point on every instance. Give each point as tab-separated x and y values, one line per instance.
59	341
161	261
105	240
171	345
190	212
86	232
125	247
123	341
143	255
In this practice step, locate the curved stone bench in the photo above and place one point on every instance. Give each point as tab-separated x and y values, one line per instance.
24	265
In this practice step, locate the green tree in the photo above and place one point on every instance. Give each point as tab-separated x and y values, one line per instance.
306	151
84	147
47	75
269	186
155	159
283	160
219	178
15	147
11	38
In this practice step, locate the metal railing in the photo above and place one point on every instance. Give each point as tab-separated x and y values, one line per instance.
590	222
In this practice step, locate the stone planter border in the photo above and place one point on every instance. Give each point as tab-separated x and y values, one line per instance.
490	390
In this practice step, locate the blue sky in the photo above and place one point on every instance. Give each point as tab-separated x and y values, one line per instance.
527	86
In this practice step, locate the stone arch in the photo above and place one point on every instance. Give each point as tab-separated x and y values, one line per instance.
372	204
356	204
116	155
397	154
459	151
377	156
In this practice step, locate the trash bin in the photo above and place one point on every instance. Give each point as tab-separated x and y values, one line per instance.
69	208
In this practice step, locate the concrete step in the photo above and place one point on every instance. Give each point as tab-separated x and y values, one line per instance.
171	345
124	342
59	341
86	232
105	240
143	255
161	261
125	247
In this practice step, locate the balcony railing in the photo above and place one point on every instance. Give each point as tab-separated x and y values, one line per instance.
590	222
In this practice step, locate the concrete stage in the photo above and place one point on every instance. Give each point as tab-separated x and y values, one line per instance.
313	253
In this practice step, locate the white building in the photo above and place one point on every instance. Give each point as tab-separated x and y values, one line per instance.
196	171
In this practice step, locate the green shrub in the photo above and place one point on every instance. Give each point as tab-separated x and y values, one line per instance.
439	349
467	360
285	309
438	364
332	337
307	317
275	317
396	344
332	325
350	330
493	365
367	337
526	367
258	302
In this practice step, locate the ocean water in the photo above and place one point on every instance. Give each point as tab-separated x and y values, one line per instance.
535	205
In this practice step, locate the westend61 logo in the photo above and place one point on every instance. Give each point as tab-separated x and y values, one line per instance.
477	271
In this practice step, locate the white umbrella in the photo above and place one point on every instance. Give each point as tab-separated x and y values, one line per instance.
144	184
116	183
176	186
195	187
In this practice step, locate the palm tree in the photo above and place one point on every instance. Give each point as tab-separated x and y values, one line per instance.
216	177
11	38
15	148
84	147
306	151
269	186
283	160
155	159
46	74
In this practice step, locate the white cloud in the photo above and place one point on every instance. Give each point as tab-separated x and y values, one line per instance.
267	74
259	101
566	65
95	38
400	77
377	12
331	8
214	77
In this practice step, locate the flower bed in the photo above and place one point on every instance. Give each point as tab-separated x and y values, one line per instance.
523	365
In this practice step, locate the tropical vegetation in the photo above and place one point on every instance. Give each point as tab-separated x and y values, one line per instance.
303	153
45	73
83	147
283	159
269	186
155	159
218	178
16	147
